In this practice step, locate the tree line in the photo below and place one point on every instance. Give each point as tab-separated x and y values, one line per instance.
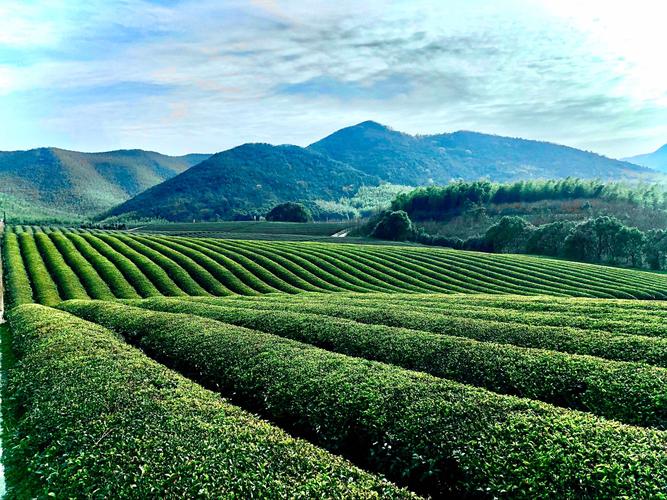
600	240
439	202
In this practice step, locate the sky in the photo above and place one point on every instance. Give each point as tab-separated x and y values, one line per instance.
181	76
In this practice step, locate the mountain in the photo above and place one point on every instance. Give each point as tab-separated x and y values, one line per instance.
51	182
437	159
247	180
656	160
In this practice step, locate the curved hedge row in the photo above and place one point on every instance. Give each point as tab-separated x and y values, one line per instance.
44	289
612	319
95	286
437	436
618	347
16	282
114	279
629	392
66	280
105	264
124	265
98	419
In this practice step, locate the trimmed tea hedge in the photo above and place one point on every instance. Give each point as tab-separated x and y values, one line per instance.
97	418
16	282
178	266
437	436
634	348
629	392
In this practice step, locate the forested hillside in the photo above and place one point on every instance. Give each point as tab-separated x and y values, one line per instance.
55	184
437	159
245	181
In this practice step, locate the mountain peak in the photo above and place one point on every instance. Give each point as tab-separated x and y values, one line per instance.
656	160
370	124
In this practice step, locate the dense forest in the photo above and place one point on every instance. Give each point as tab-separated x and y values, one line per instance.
584	220
441	202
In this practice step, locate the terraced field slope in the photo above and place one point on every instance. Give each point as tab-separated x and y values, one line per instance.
435	372
47	266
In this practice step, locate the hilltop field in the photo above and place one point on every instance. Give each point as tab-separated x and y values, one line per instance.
157	360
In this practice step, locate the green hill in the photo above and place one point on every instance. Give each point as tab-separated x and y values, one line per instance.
437	159
246	180
54	183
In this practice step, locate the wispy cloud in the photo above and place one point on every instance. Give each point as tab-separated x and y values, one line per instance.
205	75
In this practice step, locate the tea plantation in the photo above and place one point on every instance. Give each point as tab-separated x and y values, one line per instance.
170	366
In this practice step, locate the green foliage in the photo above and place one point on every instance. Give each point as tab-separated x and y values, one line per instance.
436	202
395	226
16	283
548	239
44	289
426	159
367	201
66	280
127	265
289	212
629	392
244	183
583	340
509	235
95	286
97	418
107	271
54	185
438	436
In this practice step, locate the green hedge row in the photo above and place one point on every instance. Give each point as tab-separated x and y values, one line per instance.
316	268
95	286
175	272
16	283
231	283
615	321
262	273
66	280
124	265
282	273
634	348
204	278
44	289
114	279
629	392
154	273
437	436
97	419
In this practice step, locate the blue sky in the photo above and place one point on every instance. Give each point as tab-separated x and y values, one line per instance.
202	76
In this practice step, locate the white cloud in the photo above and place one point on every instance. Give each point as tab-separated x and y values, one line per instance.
229	72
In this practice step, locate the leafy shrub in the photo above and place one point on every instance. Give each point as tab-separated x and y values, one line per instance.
17	285
289	212
97	419
438	436
629	392
395	226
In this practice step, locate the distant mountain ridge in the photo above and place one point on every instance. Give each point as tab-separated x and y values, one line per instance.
83	184
437	159
656	160
251	178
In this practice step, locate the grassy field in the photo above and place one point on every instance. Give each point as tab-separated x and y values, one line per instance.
435	372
